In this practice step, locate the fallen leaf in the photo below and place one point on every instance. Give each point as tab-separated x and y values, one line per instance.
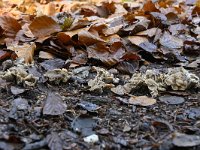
54	141
89	38
137	40
194	64
52	64
149	6
140	24
142	100
65	37
25	51
150	32
46	55
177	28
54	105
44	26
80	57
159	16
127	67
171	41
79	22
9	25
108	55
143	43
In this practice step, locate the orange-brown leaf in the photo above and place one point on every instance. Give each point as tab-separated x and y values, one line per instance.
44	26
9	25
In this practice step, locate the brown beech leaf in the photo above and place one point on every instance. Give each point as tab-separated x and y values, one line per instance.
131	56
196	10
112	30
65	37
79	22
137	40
54	105
171	41
44	26
46	55
89	38
142	100
9	25
150	32
127	67
108	55
143	43
149	6
141	24
25	51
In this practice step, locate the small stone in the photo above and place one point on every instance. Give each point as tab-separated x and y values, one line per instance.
91	138
127	128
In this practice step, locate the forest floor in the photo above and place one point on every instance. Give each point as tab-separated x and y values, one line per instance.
100	75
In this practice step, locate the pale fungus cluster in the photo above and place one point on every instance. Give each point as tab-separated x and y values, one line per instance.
157	81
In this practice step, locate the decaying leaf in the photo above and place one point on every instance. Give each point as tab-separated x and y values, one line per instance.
150	32
142	100
25	51
44	26
137	40
141	24
171	41
45	55
9	25
54	105
54	141
143	43
89	38
108	55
